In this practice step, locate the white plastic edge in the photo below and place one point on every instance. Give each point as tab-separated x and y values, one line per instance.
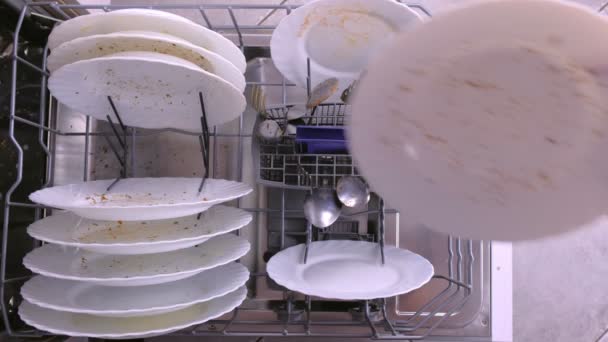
502	291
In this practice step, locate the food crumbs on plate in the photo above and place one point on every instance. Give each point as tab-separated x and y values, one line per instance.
103	197
175	222
119	222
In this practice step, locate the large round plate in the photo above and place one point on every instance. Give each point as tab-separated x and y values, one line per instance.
106	44
74	324
338	36
134	270
494	126
349	270
147	20
149	89
136	199
81	297
137	237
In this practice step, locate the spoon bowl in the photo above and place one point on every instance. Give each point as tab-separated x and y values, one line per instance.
321	207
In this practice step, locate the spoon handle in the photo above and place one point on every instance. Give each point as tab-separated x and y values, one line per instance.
308	240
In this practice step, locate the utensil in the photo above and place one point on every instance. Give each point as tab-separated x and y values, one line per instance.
270	131
321	207
337	36
464	147
76	324
106	44
134	270
137	237
349	270
352	191
258	99
322	92
147	20
80	297
149	89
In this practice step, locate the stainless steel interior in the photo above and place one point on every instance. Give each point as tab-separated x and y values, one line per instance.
455	304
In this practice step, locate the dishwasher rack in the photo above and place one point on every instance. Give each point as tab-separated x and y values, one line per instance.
374	321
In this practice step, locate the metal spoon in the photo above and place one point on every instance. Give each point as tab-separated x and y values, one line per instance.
320	93
321	207
352	191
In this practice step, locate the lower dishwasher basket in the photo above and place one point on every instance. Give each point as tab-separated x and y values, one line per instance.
455	304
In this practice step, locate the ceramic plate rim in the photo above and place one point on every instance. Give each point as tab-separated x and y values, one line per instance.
84	245
26	293
227	48
286	280
34	196
239	296
58	80
246	246
155	36
289	70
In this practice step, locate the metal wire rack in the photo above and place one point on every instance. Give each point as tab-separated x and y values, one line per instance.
374	321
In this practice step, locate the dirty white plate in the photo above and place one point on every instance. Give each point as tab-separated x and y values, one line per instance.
494	126
137	199
80	297
149	89
134	270
349	270
106	44
338	36
147	20
75	324
137	237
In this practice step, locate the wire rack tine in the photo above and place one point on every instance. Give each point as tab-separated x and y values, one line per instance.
122	140
381	228
369	320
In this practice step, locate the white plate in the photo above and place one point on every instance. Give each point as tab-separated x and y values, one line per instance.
494	126
134	270
149	89
81	297
147	20
338	36
137	237
138	199
106	44
74	324
349	270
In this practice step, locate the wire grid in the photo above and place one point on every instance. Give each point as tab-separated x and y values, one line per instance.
277	163
418	326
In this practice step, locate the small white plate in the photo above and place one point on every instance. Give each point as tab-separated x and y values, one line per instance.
134	270
493	125
137	237
74	324
147	20
106	44
338	36
149	89
139	199
349	270
80	297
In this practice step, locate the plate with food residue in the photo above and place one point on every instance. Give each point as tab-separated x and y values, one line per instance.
493	125
148	89
147	20
71	263
110	301
338	36
78	324
106	44
140	199
137	237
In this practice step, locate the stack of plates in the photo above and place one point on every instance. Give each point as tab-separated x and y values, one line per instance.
135	261
152	63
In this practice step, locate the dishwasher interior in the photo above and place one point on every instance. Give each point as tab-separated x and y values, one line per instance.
455	304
